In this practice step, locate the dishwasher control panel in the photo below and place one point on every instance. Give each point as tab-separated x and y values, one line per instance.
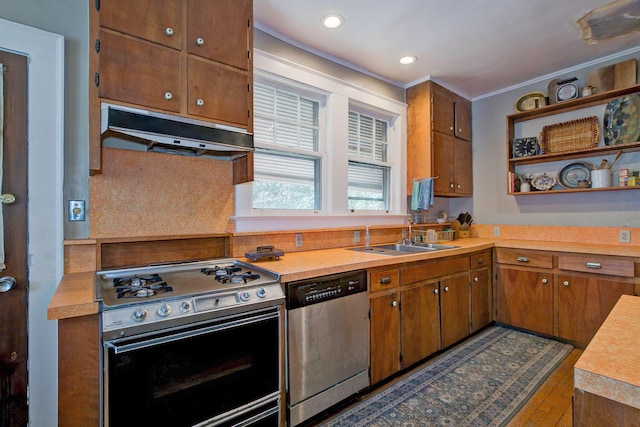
325	288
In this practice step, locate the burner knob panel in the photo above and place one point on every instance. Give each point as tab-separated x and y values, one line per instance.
139	315
244	296
261	293
164	310
185	306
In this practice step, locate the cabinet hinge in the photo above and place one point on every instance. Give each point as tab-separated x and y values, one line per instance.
96	79
96	46
97	2
400	357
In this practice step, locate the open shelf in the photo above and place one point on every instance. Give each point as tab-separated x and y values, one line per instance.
573	190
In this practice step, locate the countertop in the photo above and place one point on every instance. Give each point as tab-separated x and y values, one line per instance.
74	295
608	367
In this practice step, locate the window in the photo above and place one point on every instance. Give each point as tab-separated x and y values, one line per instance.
287	162
368	182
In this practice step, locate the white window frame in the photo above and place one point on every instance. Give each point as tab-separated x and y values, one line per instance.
340	96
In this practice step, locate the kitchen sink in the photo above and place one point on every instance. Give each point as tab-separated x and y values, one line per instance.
401	249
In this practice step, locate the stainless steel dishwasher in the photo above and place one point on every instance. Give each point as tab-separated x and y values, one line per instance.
327	342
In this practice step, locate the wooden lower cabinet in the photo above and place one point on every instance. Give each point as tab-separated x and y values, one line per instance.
385	335
420	319
455	307
525	299
584	303
481	300
590	410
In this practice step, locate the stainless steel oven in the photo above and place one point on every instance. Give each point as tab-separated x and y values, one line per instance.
195	349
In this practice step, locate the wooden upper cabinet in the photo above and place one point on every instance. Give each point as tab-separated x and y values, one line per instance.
158	21
443	110
462	118
452	164
139	72
219	30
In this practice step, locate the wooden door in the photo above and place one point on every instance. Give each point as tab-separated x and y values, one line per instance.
442	110
584	303
463	118
525	299
220	30
480	298
420	322
443	164
463	167
158	21
455	307
14	300
385	336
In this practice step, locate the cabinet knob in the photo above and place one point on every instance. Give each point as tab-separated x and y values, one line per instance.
565	283
459	186
394	303
199	41
451	185
435	291
168	31
451	128
199	102
446	289
168	96
544	281
475	279
460	130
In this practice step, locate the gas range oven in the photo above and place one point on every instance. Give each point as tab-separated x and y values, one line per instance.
193	344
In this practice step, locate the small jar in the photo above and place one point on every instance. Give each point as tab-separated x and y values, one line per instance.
525	187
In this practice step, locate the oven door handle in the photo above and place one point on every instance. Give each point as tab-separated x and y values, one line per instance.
120	345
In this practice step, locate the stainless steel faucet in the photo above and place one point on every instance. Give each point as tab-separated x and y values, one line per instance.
409	239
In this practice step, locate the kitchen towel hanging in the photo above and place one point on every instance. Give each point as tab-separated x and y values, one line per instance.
422	194
2	266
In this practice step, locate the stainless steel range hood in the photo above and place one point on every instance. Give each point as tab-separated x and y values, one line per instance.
141	130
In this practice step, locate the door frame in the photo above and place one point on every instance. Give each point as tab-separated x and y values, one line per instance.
45	209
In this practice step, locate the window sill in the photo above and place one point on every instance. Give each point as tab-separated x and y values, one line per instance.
303	222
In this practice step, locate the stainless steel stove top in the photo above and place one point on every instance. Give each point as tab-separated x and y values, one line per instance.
149	298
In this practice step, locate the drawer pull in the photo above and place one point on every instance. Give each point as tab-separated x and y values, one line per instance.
385	280
545	281
522	259
168	31
595	265
565	283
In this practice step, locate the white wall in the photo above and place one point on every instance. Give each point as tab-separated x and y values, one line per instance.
492	205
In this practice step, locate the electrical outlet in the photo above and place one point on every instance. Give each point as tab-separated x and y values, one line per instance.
356	236
496	231
298	240
76	210
625	236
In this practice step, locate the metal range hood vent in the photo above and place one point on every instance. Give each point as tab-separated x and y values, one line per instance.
140	130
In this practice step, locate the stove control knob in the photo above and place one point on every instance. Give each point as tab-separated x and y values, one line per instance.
244	296
261	293
185	306
164	310
139	315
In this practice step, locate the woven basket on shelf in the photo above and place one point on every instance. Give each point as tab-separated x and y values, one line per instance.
570	136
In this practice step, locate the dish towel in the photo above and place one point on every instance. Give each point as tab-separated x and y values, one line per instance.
422	194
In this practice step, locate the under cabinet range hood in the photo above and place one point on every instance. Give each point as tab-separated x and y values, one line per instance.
140	130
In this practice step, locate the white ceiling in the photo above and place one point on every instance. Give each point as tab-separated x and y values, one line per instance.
474	47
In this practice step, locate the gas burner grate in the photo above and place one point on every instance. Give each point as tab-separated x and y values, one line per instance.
230	274
140	286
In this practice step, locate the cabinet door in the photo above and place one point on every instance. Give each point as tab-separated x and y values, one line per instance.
443	167
525	299
442	110
220	30
584	303
463	118
455	306
159	21
208	95
463	168
480	298
385	336
139	72
420	320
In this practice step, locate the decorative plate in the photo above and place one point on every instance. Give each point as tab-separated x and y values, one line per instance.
529	101
571	173
622	120
543	182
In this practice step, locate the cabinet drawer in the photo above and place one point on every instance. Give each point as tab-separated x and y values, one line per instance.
429	270
524	257
380	280
599	264
482	259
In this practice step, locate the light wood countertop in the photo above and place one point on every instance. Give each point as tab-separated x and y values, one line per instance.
75	294
608	367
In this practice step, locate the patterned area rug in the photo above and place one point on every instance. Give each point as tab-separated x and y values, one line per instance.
481	382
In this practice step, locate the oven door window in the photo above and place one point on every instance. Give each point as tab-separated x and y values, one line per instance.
190	380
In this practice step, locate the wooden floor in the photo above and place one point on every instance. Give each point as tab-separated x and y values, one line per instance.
551	404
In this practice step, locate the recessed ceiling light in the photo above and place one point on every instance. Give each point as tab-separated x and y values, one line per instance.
332	20
405	60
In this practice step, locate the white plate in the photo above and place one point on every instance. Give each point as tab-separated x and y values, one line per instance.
543	182
571	173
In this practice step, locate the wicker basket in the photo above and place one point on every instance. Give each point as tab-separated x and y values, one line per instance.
570	136
433	236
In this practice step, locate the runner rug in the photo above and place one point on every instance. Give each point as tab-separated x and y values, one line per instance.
481	382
